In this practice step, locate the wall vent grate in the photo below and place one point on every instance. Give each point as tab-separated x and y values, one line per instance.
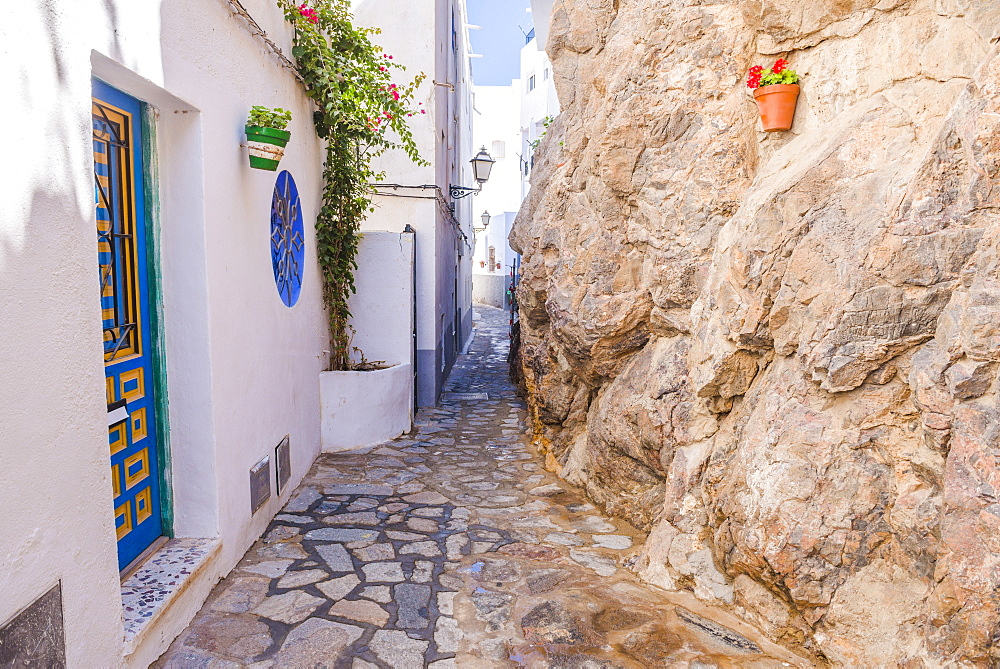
464	397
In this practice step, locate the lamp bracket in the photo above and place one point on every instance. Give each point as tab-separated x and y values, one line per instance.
458	192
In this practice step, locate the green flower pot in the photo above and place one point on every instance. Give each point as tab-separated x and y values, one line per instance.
267	146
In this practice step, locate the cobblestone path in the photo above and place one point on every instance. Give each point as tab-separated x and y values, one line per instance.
452	547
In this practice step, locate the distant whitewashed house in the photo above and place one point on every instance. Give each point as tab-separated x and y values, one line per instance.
539	101
163	329
511	119
497	127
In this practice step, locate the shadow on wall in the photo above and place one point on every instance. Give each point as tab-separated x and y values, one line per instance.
46	97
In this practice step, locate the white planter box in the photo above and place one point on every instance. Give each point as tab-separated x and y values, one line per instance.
364	408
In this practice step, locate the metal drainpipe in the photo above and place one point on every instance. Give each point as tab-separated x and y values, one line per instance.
413	354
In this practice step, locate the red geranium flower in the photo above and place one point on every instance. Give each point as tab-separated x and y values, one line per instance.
778	74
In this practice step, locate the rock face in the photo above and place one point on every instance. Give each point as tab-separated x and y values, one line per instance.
779	352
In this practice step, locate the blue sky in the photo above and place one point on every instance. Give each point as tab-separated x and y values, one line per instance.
499	41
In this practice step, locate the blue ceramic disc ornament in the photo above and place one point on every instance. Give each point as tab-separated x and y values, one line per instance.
287	239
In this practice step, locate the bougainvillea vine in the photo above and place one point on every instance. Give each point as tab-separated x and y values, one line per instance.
361	113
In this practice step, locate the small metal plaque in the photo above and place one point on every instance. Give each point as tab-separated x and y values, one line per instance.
260	484
117	413
282	464
34	637
464	397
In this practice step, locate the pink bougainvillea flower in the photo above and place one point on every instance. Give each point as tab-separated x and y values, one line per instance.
308	13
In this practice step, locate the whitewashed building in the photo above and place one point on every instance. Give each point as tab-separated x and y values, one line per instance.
163	328
430	36
539	101
497	127
511	119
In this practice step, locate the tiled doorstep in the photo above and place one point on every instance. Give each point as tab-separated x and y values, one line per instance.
148	593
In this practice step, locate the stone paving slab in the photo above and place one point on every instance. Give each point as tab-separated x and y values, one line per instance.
452	547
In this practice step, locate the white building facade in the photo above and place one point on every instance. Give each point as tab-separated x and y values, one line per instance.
497	127
512	120
539	102
430	36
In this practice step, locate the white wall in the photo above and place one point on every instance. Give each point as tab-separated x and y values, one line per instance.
541	12
497	118
490	284
465	150
242	368
365	408
444	138
542	101
495	235
405	29
265	357
382	308
55	485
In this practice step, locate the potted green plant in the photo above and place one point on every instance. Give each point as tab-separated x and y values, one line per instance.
267	137
776	92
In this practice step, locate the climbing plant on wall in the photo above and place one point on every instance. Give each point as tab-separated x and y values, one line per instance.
361	114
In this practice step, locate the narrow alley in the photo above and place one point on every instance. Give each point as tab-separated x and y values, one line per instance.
452	547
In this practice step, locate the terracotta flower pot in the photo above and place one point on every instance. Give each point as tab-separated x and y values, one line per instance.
777	105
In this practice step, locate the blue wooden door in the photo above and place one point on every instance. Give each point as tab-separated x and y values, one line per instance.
121	254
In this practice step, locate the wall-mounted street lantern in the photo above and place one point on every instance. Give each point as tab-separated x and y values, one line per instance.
485	218
482	164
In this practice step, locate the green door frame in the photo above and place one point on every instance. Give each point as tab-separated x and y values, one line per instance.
158	337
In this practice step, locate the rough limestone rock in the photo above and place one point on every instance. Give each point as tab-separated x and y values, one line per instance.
779	352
